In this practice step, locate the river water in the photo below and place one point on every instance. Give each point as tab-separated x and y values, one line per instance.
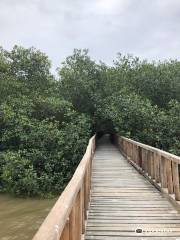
20	218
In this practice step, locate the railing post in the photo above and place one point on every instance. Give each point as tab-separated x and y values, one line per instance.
72	224
65	234
134	153
129	150
78	216
152	165
89	180
140	156
132	157
86	194
146	162
149	162
125	148
176	180
169	176
163	172
75	219
90	165
143	159
157	159
83	209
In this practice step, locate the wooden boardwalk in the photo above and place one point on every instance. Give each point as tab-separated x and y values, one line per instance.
124	205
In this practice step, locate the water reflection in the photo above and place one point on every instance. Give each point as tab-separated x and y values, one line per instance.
20	218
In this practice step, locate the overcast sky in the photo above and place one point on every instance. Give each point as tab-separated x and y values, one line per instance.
146	28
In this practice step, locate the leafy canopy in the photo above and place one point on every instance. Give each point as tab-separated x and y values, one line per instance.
46	121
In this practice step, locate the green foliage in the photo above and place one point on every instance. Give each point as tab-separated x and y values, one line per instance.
40	155
42	136
18	175
132	98
45	123
78	81
158	82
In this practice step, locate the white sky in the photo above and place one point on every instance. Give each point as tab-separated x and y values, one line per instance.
146	28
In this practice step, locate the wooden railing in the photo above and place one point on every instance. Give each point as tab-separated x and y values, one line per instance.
66	220
159	166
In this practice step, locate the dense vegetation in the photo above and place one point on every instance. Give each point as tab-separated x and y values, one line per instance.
46	121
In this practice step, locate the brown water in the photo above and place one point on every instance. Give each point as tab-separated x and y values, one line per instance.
20	218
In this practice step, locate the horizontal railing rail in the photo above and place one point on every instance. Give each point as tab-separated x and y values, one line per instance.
66	220
159	166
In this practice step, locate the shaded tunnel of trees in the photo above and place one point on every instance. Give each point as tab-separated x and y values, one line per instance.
46	120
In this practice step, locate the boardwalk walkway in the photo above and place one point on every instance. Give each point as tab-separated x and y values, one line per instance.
123	202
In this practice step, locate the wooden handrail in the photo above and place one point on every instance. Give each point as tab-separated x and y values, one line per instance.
159	166
66	220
